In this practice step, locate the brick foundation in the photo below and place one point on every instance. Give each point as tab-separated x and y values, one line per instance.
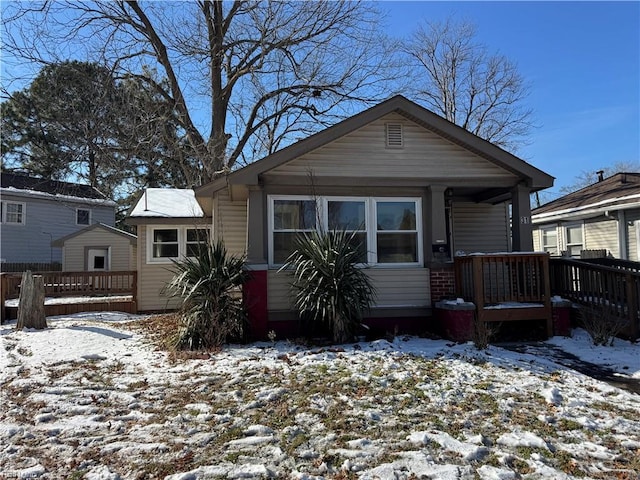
442	283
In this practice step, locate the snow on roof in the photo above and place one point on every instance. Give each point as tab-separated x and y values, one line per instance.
167	203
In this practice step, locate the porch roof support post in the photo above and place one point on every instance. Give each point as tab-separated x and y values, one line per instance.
438	220
521	227
256	213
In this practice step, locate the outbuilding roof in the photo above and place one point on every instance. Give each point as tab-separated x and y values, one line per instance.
167	203
102	226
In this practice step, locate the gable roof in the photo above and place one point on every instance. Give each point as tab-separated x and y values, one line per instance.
166	203
617	192
535	178
129	236
10	181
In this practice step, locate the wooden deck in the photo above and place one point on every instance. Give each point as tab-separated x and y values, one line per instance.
611	285
102	285
506	287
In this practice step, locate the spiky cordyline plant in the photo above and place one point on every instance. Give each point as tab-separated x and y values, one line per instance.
328	287
212	308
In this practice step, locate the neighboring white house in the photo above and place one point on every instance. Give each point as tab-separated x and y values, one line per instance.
602	216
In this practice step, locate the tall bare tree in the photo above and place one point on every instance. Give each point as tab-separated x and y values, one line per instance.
456	77
264	71
589	177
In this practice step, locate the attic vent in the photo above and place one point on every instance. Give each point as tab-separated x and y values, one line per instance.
394	135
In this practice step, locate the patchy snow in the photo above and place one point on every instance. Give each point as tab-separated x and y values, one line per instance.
90	397
13	302
25	192
167	202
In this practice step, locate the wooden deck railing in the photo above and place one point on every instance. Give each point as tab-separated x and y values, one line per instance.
613	288
78	284
508	286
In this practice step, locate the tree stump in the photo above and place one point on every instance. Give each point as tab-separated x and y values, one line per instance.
31	303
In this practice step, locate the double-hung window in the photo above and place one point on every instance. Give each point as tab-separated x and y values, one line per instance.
167	243
396	231
386	231
291	217
13	213
549	240
350	216
574	240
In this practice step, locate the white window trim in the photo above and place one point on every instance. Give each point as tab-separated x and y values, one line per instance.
4	212
182	242
371	224
565	244
541	237
90	215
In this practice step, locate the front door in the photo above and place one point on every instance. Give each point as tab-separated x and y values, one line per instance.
98	259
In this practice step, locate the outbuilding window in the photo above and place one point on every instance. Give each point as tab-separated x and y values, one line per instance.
168	243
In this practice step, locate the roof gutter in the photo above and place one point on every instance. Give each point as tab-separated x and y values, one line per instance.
581	214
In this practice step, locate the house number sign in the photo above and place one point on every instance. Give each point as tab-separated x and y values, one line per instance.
525	220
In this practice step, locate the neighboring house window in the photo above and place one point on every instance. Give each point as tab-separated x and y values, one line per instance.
387	229
13	212
83	216
574	240
167	243
549	240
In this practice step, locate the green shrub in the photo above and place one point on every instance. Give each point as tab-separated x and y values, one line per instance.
327	285
210	287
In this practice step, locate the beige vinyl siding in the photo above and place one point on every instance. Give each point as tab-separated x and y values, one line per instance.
363	153
480	227
152	279
602	233
537	244
396	287
121	255
230	222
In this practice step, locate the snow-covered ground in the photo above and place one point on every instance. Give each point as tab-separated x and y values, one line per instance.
91	397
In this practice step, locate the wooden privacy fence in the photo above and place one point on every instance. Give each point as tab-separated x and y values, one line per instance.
612	287
506	286
74	284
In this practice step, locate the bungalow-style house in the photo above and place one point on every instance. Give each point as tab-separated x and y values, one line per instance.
96	248
416	188
37	211
602	217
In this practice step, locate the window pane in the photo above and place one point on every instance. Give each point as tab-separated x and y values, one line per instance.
82	217
14	212
346	215
359	242
198	235
283	245
574	250
98	263
168	235
397	248
396	215
161	250
574	234
294	214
